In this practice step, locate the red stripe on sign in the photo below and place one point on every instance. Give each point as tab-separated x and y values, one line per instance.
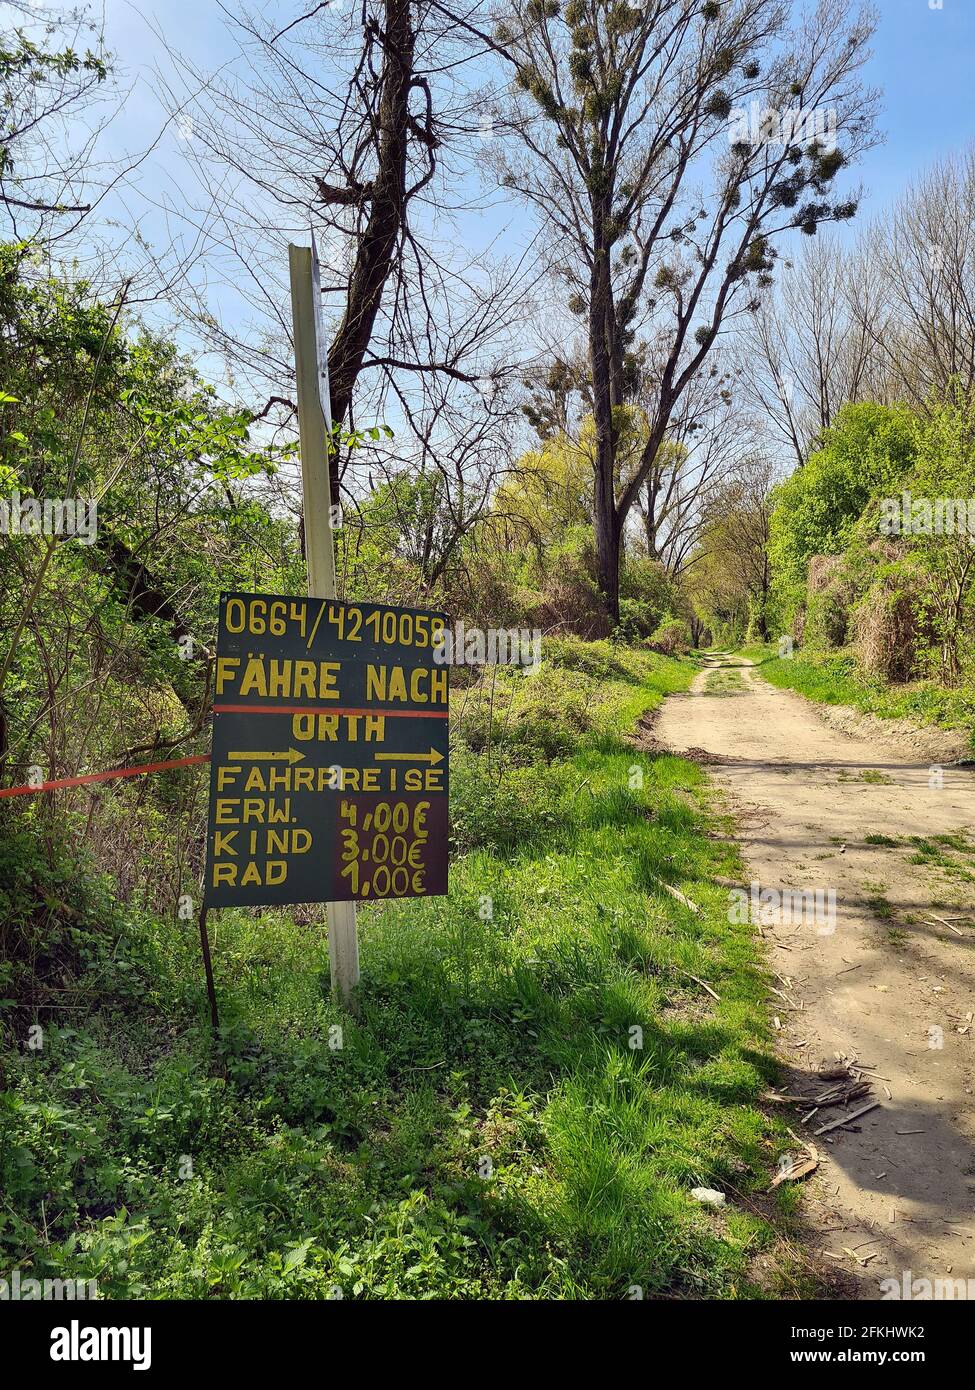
324	709
105	776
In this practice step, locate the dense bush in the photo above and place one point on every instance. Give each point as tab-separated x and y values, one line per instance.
895	581
672	637
603	660
867	452
502	810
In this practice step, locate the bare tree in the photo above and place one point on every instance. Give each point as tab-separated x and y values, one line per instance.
356	124
436	493
892	318
816	343
620	112
729	574
709	438
926	254
52	68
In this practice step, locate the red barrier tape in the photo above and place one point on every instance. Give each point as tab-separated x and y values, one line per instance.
105	776
205	757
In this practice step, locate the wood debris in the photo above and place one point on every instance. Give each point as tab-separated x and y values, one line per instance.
849	1085
847	1119
843	1093
798	1168
703	983
944	922
861	1259
676	893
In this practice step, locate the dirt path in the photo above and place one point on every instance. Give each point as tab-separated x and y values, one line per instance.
889	984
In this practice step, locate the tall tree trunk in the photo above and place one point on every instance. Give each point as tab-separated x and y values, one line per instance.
387	210
606	526
608	557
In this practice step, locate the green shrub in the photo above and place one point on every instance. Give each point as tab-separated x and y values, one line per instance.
672	637
868	450
603	660
63	928
827	619
502	812
647	594
526	718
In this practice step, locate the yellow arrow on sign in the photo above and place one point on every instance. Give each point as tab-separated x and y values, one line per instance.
291	756
432	757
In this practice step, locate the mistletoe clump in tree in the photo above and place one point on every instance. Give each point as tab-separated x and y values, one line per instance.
662	223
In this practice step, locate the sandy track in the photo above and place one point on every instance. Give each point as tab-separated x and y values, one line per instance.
898	1187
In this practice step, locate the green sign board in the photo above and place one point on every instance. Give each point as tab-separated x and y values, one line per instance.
328	780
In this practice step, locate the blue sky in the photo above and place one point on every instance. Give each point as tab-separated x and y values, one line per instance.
923	62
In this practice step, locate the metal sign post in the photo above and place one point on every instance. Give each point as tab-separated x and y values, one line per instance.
314	430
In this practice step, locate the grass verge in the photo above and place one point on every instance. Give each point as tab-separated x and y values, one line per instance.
834	678
533	1083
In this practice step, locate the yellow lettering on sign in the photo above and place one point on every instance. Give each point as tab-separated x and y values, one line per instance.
305	679
255	677
279	679
226	671
327	671
286	679
388	683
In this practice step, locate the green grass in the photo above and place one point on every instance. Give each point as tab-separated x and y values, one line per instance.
882	907
943	852
529	1089
833	678
726	680
871	775
581	693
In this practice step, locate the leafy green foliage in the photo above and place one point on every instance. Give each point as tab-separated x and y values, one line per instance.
105	642
868	450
